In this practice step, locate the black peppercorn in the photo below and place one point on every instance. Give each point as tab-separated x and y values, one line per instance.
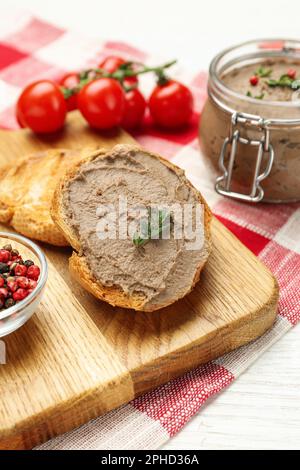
28	263
9	303
4	268
7	247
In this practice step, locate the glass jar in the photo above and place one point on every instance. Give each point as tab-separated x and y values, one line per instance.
254	145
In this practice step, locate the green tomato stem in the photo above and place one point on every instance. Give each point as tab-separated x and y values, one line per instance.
121	74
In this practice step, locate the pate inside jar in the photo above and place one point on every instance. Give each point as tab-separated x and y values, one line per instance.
257	118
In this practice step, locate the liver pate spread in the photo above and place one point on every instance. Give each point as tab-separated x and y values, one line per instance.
267	72
161	270
283	184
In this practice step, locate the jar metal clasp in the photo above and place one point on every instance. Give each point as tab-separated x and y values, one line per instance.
223	182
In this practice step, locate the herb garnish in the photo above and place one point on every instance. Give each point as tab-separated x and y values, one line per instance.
257	97
150	229
295	85
285	81
263	72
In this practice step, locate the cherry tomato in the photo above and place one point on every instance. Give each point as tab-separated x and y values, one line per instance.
171	104
102	103
135	106
41	106
129	81
20	119
70	80
112	63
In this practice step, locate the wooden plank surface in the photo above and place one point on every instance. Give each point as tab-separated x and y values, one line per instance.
78	357
76	134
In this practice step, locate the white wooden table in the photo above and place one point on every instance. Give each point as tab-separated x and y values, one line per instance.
260	409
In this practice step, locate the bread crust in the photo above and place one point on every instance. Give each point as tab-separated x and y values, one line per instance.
26	191
79	269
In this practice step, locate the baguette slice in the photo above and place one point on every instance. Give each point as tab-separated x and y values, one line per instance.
79	264
26	191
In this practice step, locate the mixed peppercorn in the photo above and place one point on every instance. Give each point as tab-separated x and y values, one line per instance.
18	278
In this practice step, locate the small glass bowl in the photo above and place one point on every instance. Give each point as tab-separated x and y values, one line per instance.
14	317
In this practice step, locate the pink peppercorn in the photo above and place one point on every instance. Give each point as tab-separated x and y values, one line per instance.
291	73
23	282
32	284
33	272
20	294
4	256
3	292
20	270
254	80
12	285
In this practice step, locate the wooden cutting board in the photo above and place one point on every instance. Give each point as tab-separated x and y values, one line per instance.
78	357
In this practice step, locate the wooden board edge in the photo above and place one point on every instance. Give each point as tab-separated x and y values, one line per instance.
67	416
214	346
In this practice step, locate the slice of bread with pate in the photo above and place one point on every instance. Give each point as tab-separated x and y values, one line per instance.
102	206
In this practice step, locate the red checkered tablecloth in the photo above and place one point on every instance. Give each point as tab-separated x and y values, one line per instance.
31	49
